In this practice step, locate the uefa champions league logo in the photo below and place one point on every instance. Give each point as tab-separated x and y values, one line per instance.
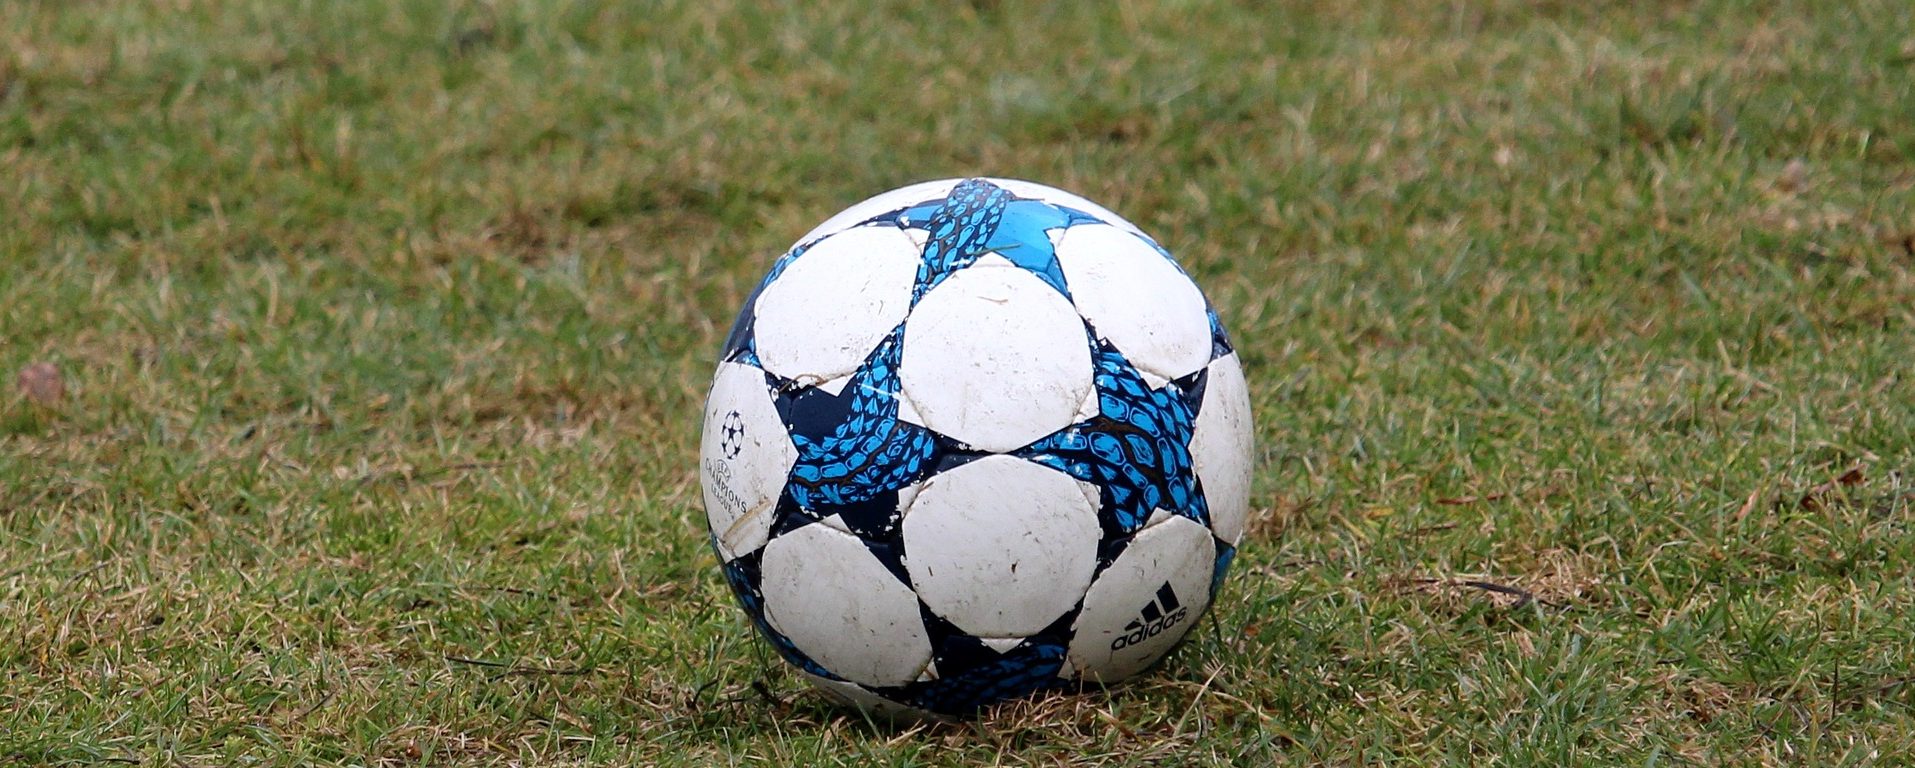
721	477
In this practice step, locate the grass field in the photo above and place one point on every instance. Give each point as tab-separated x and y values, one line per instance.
1580	337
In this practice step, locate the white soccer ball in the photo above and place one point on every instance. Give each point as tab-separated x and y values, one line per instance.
972	439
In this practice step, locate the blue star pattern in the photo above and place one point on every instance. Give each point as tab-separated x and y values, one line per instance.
980	218
1137	449
960	231
1025	670
853	446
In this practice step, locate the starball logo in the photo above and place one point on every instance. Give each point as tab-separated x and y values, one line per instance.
731	435
1158	615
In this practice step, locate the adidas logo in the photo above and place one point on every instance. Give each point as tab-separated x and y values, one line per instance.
1158	615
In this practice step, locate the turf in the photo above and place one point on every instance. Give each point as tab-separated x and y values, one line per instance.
1579	336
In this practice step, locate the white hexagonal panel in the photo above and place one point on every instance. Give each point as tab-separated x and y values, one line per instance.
1137	299
1221	445
1144	602
832	306
1001	546
744	457
902	197
832	598
995	357
1055	196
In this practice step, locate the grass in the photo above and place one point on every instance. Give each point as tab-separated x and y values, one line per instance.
1580	337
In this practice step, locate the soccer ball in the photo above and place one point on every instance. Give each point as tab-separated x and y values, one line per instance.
972	439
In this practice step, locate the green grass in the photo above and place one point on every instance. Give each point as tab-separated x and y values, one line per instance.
384	329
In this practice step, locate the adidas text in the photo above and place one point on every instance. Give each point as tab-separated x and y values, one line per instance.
1150	630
